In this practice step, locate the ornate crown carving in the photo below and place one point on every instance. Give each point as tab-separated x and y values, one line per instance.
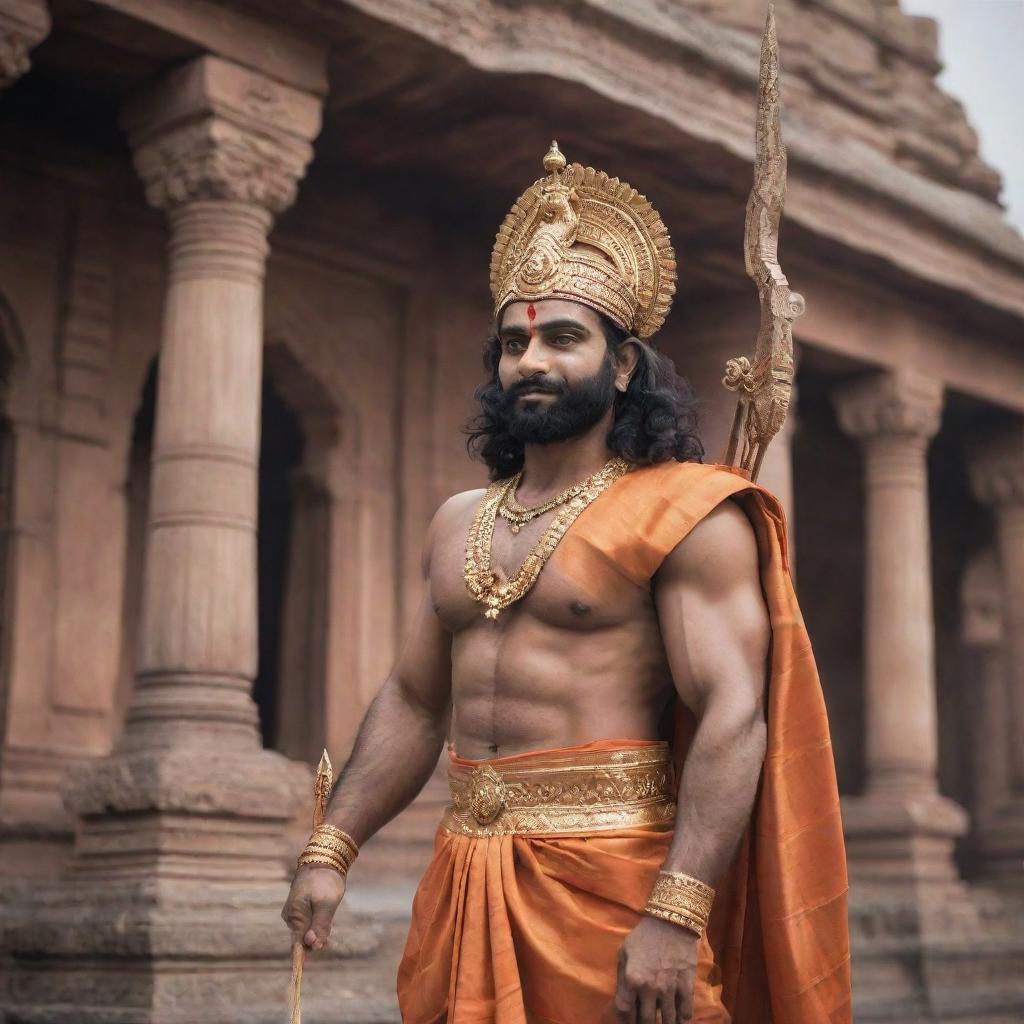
578	234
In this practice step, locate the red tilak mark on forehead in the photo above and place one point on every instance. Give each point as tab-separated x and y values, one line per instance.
531	315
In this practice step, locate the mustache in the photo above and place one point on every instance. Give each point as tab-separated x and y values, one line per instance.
535	384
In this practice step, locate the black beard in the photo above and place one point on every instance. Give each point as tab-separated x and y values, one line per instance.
577	407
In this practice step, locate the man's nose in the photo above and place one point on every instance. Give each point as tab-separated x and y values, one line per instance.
533	361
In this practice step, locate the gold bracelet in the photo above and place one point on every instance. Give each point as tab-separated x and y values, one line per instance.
331	847
683	920
681	899
346	850
333	830
322	860
343	856
328	835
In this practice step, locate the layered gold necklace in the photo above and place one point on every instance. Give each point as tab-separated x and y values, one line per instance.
518	515
481	581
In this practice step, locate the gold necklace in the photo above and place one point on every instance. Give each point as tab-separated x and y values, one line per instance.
518	515
481	582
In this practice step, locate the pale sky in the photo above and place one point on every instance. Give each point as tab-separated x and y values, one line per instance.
981	44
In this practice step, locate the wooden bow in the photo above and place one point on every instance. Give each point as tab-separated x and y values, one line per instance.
765	381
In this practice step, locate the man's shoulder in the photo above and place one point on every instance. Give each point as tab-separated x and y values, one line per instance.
459	504
706	530
693	488
456	511
720	548
452	516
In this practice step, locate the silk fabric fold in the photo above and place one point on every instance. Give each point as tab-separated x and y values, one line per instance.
526	929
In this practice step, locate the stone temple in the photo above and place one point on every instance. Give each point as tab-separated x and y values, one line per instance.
223	221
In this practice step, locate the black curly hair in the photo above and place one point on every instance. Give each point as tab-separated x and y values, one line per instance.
655	418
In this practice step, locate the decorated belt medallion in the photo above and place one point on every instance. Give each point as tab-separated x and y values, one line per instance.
486	794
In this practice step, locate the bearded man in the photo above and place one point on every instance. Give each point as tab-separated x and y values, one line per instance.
644	821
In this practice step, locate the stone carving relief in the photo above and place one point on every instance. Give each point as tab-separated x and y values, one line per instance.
215	130
214	159
872	70
904	403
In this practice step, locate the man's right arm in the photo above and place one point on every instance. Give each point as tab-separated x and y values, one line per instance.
396	750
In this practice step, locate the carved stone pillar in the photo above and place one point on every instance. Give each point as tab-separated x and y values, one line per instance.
181	848
901	828
221	150
23	25
907	902
997	478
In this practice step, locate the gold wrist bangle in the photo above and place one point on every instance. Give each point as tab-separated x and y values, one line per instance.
330	847
333	830
335	846
322	860
340	853
682	920
329	835
681	899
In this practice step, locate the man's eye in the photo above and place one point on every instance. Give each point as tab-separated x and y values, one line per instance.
565	339
511	345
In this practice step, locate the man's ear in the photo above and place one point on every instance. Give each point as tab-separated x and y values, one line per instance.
627	358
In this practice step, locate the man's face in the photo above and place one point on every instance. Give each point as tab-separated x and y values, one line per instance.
556	372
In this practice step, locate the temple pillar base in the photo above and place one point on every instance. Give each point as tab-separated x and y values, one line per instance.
902	840
171	952
169	912
194	812
921	936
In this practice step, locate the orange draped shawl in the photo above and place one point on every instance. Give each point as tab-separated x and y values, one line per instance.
526	929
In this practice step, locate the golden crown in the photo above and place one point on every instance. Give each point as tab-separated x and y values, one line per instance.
578	234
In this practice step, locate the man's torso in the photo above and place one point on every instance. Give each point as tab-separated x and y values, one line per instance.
568	663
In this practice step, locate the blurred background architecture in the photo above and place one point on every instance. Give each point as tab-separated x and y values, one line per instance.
243	277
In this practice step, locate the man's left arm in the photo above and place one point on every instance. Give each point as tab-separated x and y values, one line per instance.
716	631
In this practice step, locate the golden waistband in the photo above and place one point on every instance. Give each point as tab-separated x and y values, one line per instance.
572	791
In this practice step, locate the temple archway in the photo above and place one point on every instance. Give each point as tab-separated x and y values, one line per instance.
301	427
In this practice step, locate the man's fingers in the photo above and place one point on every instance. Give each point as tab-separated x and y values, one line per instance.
625	999
320	926
648	1005
625	1006
625	1003
667	1004
684	1007
298	914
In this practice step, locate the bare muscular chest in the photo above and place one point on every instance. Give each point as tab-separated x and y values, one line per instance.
561	597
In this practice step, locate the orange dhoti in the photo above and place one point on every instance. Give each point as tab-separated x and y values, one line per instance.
520	918
517	926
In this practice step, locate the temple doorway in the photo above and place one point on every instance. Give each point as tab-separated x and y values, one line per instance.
281	452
